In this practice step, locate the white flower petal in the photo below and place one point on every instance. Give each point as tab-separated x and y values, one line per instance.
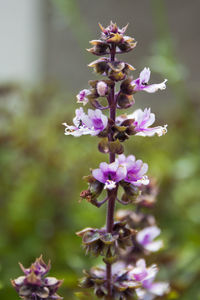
159	288
152	88
145	75
109	185
19	280
154	246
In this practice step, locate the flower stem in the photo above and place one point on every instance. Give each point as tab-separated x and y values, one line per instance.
113	193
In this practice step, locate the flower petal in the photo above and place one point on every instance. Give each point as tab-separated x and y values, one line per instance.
98	175
159	288
145	75
152	88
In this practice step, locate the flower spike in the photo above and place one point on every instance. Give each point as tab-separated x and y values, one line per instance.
123	243
34	285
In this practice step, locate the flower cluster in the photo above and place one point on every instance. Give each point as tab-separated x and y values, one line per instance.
146	276
129	281
124	178
34	285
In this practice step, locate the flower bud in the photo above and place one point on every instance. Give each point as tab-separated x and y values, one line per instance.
102	88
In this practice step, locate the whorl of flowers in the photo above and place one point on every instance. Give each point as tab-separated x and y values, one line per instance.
35	285
122	243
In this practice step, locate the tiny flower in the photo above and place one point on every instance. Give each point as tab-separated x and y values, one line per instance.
141	122
141	83
92	123
143	274
146	277
82	96
110	174
102	88
146	238
95	120
136	170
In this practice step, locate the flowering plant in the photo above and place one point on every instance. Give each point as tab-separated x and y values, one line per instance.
123	242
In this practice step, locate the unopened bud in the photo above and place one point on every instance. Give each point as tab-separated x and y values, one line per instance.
102	88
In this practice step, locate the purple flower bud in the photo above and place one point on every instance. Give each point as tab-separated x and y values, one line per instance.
141	83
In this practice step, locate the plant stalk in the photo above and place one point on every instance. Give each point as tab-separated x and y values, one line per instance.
113	193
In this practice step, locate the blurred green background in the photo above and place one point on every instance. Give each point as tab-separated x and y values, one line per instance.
41	169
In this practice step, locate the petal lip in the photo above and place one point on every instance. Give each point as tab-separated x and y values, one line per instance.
152	88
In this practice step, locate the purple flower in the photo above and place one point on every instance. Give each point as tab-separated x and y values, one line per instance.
146	236
143	274
141	122
146	277
110	174
82	96
92	123
141	83
136	170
